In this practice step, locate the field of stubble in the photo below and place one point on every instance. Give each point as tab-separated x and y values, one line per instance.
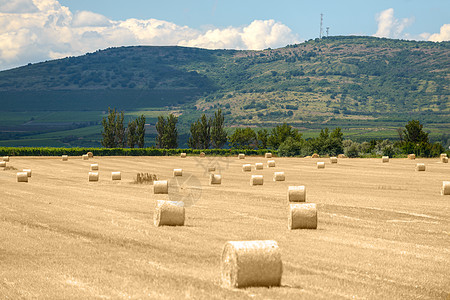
383	229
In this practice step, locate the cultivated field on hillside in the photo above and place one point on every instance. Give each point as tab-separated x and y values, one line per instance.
383	229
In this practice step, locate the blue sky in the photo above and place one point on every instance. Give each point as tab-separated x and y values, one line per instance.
38	30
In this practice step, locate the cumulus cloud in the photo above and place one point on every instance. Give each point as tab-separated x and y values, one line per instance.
389	26
36	30
443	35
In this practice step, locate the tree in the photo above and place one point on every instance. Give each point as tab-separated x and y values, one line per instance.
160	129
243	138
109	129
262	137
194	139
131	134
171	133
218	133
205	132
140	131
280	133
120	131
413	133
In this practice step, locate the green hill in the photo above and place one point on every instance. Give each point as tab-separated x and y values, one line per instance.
369	86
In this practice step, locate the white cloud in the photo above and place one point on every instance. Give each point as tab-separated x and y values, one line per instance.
36	30
389	26
443	35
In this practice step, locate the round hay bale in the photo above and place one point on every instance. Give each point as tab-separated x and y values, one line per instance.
333	160
22	177
302	216
116	176
169	213
65	158
241	156
385	159
251	264
342	156
6	158
94	167
202	154
443	155
211	169
420	167
2	164
215	179
259	166
93	176
28	171
315	155
183	155
445	188
160	187
444	160
279	176
268	155
296	193
257	180
90	155
271	164
411	156
320	165
177	172
247	168
85	157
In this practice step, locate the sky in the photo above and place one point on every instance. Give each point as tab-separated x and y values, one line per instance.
38	30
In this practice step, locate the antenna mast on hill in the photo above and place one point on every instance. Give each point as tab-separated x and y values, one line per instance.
321	24
328	29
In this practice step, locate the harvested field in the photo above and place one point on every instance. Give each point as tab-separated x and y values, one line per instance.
383	230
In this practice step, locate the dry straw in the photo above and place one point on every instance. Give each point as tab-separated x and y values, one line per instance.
271	164
296	193
279	176
211	169
94	167
177	172
85	157
241	155
444	160
385	159
93	176
259	166
170	213
420	167
116	176
65	158
257	180
6	158
302	216
445	188
315	155
268	155
90	154
22	177
28	171
215	179
247	168
333	160
251	264
183	155
320	165
2	164
160	187
202	154
411	156
342	156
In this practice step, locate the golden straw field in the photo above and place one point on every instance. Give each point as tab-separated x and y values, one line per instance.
383	229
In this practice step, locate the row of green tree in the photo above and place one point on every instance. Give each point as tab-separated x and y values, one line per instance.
115	135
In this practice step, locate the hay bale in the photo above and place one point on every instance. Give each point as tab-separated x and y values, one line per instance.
6	158
247	168
241	156
94	167
257	180
2	164
268	155
309	156
202	154
271	164
296	193
333	160
385	159
259	166
90	155
183	155
302	216
65	158
160	187
445	188
169	213
211	169
177	172
85	157
28	171
444	160
251	263
93	176
315	155
279	176
420	167
215	179
116	176
342	156
443	155
320	165
22	177
411	156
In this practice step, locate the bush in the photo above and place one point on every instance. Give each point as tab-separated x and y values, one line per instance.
290	147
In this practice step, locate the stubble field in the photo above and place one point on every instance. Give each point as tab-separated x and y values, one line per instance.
383	229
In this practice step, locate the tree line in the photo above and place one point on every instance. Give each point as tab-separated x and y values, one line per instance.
115	135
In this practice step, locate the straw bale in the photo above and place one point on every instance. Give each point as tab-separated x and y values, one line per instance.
444	160
445	188
271	164
6	158
2	164
443	155
279	176
215	179
302	216
333	160
183	155
94	167
85	157
247	168
309	156
259	166
28	171
177	172
251	264
160	187
93	176
315	155
211	169
257	180
241	156
65	158
202	154
268	155
296	193
90	155
170	213
420	167
320	165
411	156
385	159
22	177
116	176
342	156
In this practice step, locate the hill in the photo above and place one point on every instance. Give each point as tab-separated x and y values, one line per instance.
361	83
